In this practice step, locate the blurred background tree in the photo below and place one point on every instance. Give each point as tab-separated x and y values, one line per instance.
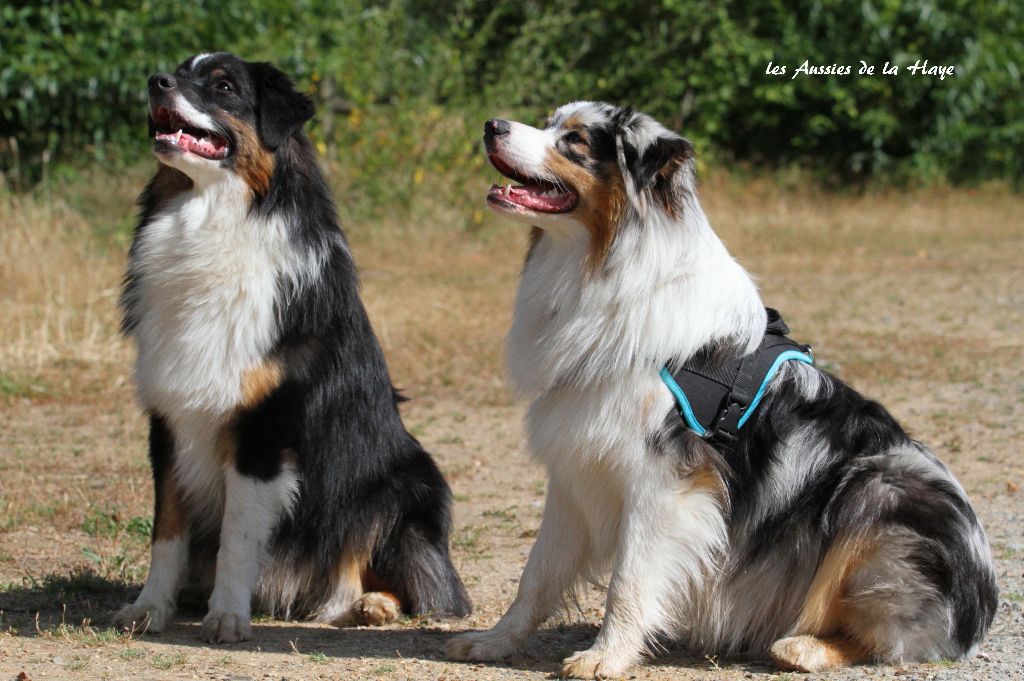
402	86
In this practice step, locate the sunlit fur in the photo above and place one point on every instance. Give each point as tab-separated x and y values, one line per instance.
825	520
283	473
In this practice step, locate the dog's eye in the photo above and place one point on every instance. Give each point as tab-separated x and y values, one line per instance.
573	137
224	86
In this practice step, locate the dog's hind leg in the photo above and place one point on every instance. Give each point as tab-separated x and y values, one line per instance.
410	568
866	599
814	654
415	569
820	643
918	588
671	535
359	597
554	565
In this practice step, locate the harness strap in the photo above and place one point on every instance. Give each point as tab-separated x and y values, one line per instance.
717	395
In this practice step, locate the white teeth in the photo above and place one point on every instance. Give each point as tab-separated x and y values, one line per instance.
177	137
508	190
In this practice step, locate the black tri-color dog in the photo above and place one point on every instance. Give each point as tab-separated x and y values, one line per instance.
284	476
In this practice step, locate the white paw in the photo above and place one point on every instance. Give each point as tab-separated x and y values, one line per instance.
593	664
143	618
374	609
481	646
225	627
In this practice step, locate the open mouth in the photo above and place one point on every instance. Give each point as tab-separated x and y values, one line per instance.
173	130
531	193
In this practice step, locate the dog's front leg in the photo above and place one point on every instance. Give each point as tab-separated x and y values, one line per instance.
552	568
252	508
152	610
671	533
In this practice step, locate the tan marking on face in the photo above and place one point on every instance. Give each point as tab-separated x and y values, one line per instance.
573	122
601	205
253	162
170	522
813	654
824	608
259	381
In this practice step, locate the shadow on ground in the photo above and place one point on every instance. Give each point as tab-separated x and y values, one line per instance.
80	597
63	598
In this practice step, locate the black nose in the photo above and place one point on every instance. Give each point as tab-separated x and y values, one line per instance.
495	127
162	82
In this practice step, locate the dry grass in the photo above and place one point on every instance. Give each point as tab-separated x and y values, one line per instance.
439	295
58	284
914	297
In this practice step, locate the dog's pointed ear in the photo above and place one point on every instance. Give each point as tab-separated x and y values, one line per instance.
280	109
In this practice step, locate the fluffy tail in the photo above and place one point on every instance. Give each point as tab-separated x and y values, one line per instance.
413	560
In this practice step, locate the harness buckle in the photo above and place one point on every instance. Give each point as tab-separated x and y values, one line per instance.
723	429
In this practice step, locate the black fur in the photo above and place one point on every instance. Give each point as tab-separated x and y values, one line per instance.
872	480
281	110
664	168
161	458
365	483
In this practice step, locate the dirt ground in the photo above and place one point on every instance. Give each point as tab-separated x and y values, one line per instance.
915	300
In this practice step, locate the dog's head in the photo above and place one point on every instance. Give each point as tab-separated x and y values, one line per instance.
590	164
219	114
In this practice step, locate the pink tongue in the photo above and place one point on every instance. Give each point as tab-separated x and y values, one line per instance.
531	197
208	147
203	147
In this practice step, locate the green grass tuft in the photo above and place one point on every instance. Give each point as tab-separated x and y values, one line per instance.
162	661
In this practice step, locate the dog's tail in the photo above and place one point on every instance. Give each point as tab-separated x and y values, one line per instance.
412	558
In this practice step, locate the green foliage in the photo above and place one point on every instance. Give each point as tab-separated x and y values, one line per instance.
700	67
403	86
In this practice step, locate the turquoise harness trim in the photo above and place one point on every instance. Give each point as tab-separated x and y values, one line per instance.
788	355
684	404
687	411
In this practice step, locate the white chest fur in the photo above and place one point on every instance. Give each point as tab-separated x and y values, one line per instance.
588	345
207	273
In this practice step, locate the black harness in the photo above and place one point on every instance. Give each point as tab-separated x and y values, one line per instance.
716	396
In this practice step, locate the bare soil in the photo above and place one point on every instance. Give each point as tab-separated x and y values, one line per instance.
914	298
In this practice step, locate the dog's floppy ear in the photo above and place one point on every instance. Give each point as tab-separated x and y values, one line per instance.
660	161
280	110
661	168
